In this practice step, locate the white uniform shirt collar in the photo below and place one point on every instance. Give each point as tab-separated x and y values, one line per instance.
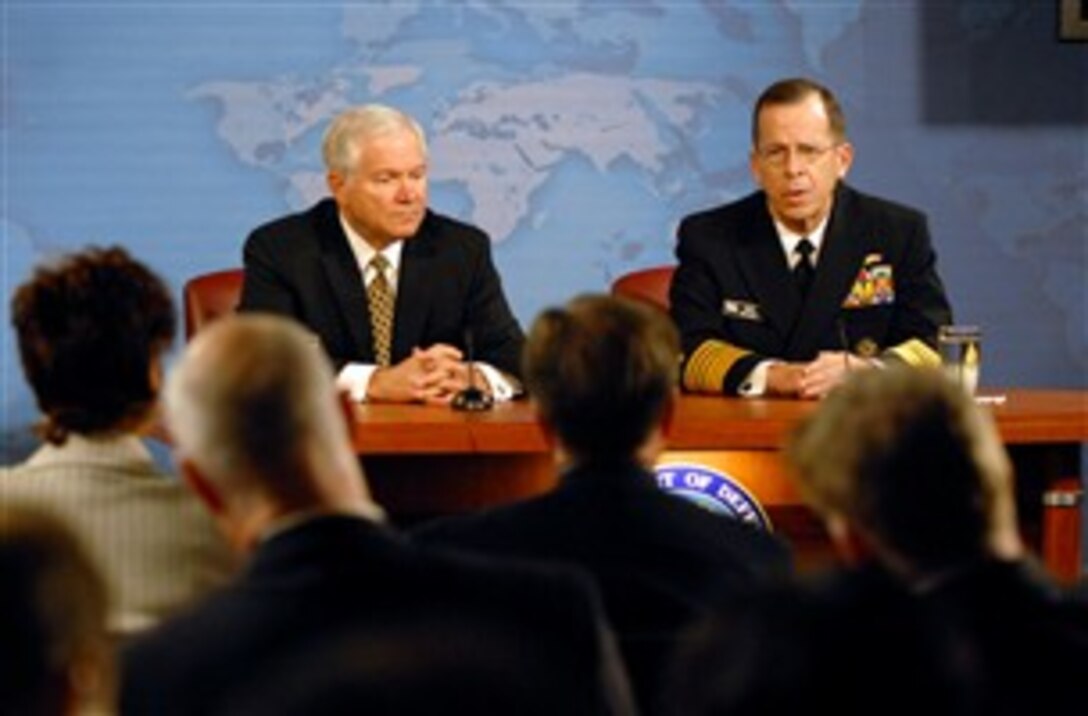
789	240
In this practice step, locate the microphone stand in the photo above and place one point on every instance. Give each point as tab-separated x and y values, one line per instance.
844	342
472	398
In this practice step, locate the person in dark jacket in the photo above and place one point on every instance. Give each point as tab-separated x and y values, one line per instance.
602	373
911	477
262	441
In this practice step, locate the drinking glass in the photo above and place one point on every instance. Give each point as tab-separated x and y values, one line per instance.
960	348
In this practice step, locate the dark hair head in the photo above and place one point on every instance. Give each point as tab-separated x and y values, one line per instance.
602	370
798	89
90	328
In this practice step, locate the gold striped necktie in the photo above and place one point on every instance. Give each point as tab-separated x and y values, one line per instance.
379	296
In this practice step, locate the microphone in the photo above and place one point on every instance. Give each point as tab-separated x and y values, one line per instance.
472	398
844	341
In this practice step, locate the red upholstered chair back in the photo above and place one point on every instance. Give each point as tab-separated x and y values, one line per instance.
649	285
209	296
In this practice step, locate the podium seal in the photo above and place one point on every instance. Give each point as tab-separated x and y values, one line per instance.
713	490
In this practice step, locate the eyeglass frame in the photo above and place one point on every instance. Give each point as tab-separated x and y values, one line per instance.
777	155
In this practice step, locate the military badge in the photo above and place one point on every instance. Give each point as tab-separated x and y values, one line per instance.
873	286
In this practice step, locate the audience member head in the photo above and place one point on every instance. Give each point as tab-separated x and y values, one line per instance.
894	452
603	374
258	427
53	643
91	328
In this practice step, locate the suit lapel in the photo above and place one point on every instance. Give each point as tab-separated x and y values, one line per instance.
345	281
840	256
765	270
417	275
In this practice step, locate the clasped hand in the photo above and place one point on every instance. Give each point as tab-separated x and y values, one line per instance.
815	379
432	375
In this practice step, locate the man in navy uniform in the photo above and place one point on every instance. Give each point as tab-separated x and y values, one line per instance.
784	291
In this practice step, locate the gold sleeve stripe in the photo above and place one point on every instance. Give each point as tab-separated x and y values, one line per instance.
707	366
917	353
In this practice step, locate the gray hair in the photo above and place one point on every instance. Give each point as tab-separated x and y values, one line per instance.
898	450
250	398
350	131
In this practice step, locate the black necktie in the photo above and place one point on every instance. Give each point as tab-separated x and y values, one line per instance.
804	270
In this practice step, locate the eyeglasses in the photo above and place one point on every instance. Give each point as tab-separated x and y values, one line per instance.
778	154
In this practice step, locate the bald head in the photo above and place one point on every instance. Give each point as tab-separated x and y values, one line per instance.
253	405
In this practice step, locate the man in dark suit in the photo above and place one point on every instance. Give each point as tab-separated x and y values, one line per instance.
261	439
396	293
602	373
786	290
911	478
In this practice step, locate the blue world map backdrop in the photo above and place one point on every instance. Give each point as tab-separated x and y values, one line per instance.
576	134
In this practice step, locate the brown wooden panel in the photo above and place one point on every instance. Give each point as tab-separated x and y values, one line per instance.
414	487
381	429
424	461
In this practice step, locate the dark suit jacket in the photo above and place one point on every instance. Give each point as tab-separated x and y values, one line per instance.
660	561
302	266
733	294
853	642
1027	638
335	574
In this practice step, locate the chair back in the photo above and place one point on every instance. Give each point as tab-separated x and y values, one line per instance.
649	285
209	296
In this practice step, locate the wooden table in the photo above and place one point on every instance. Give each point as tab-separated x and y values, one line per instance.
424	461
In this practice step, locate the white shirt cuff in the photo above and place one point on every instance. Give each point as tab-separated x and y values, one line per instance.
354	379
755	385
501	388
